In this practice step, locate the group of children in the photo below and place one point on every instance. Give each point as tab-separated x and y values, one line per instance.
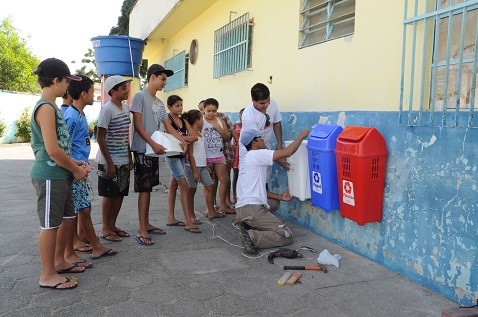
211	147
61	144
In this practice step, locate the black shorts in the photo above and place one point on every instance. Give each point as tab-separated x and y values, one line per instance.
146	172
119	186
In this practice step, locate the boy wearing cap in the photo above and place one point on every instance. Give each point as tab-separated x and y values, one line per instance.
259	227
52	173
114	158
148	114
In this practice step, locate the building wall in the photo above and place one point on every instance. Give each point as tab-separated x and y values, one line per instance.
349	72
428	231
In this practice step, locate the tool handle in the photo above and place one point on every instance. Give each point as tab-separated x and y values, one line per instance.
294	267
314	268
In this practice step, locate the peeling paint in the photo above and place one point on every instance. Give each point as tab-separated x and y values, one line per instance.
430	206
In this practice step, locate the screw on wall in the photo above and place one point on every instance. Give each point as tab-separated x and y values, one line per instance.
270	79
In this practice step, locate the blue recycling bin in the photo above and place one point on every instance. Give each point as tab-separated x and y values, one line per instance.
322	166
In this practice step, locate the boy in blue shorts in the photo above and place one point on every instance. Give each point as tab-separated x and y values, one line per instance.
82	93
52	173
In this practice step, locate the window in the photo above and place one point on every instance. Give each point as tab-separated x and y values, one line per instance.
179	64
439	63
325	20
232	47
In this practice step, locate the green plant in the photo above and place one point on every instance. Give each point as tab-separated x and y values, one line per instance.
23	126
3	126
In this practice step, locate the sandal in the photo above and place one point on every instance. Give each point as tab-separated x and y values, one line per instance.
144	240
111	237
193	230
84	248
121	233
56	286
74	268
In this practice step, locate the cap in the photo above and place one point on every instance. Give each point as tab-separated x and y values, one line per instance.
112	81
54	68
156	68
248	135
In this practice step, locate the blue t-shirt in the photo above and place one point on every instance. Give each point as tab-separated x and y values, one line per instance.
79	132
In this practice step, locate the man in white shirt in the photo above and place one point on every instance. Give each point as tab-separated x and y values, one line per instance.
264	116
259	227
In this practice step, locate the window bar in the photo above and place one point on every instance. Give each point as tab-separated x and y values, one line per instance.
403	64
330	25
447	69
412	73
424	54
460	67
473	82
304	23
434	69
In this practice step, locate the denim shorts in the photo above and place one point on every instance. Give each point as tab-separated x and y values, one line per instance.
177	166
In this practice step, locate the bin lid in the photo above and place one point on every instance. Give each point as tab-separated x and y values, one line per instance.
322	131
353	133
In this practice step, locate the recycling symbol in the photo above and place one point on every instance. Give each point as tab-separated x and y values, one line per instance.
347	188
316	178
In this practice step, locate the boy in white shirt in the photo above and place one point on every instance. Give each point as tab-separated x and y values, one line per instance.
259	227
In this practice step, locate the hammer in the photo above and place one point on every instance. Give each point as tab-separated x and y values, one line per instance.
322	268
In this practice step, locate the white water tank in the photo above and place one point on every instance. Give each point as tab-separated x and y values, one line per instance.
298	175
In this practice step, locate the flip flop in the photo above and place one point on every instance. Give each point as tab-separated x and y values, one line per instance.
84	248
218	215
85	264
144	240
197	222
174	224
107	237
157	231
109	252
74	268
193	230
67	280
121	233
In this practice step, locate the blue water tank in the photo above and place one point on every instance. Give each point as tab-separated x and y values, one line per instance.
322	166
118	55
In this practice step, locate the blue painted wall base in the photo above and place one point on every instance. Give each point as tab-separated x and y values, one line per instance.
429	228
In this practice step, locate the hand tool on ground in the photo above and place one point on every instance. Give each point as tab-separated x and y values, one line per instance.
284	278
294	278
322	268
283	252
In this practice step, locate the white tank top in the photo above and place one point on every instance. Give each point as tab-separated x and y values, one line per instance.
213	141
199	152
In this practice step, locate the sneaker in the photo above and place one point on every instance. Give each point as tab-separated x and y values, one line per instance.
246	239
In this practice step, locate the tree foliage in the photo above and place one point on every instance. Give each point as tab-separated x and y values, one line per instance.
122	27
24	130
17	63
89	66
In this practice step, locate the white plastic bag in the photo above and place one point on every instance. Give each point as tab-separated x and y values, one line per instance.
328	259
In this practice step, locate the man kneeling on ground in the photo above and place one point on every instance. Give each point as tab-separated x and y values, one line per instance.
259	227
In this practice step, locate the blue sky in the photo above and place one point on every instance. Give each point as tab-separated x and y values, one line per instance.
59	28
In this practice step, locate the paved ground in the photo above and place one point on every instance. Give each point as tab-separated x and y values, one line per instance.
186	274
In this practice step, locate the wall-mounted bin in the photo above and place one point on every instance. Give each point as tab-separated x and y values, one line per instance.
361	156
322	168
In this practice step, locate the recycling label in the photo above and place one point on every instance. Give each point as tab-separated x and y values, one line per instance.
316	182
348	192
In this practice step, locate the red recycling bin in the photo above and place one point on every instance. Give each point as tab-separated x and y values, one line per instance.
361	156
